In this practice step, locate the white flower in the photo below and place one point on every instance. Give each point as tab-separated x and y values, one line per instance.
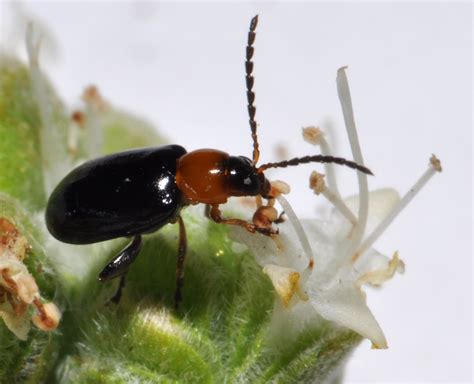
324	275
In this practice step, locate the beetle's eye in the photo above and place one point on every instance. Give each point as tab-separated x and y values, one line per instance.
246	160
242	179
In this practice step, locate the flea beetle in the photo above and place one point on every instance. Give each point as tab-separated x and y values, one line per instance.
132	193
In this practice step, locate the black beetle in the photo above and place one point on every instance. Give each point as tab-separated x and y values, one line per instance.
136	192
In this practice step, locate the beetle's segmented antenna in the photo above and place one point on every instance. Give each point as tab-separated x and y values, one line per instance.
249	81
315	159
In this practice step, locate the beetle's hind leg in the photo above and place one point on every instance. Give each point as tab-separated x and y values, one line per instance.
120	264
118	293
182	249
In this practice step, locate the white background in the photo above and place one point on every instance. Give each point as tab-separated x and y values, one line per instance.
181	67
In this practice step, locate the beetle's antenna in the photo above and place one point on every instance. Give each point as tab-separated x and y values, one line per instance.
249	81
315	159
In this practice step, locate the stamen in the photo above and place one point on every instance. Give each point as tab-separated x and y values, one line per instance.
280	187
346	104
50	137
312	135
48	316
435	166
317	184
94	105
301	236
78	122
315	136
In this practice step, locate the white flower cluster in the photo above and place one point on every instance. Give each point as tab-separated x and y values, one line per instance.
319	267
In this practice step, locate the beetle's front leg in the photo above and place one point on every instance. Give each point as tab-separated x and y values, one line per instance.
267	215
215	214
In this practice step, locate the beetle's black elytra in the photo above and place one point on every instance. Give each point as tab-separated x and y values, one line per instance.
123	194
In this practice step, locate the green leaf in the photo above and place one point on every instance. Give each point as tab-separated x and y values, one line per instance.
20	155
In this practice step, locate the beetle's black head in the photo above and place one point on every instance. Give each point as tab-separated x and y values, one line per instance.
243	179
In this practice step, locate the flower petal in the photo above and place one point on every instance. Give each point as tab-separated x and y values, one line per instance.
345	305
378	275
285	252
286	282
381	203
19	325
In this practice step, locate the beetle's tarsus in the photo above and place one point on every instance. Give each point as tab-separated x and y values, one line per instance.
280	219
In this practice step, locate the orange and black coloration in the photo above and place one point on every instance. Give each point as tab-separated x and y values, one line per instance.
132	193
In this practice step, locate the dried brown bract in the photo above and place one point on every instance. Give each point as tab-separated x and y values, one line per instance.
18	288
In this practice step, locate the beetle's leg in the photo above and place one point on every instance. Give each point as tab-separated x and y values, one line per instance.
182	248
280	219
120	264
216	215
207	211
118	293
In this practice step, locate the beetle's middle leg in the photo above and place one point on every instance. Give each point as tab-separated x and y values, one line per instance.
182	248
120	264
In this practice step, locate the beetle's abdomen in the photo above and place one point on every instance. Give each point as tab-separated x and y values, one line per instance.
123	194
